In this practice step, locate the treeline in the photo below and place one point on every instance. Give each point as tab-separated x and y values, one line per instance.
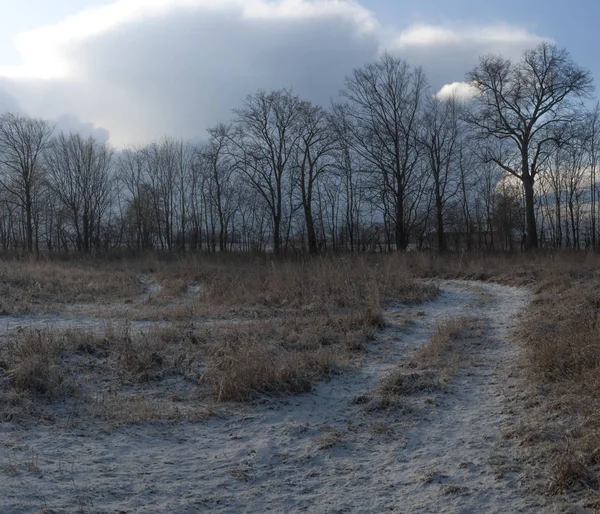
511	164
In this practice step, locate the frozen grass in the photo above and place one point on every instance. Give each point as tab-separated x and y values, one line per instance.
428	369
283	325
218	285
562	339
442	352
237	328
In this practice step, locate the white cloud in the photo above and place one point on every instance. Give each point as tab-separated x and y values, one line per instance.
447	52
44	51
431	36
423	36
145	68
458	90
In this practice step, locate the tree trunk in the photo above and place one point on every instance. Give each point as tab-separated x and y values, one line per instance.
532	240
276	234
401	237
310	230
29	220
440	218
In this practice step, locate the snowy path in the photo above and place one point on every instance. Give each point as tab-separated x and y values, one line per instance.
316	452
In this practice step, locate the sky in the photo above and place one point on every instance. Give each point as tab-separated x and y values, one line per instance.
132	71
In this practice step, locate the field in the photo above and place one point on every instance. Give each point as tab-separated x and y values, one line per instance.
347	383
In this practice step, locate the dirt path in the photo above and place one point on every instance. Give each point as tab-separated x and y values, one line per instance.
460	449
319	452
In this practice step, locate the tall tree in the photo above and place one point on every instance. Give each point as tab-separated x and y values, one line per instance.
314	144
519	109
80	177
385	100
440	136
22	143
593	139
219	167
131	170
266	140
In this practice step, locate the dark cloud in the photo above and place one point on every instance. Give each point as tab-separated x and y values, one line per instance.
190	71
183	71
71	124
8	103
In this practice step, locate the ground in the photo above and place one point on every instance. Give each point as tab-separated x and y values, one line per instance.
352	444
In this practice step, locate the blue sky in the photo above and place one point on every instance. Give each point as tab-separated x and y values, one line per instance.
178	66
23	15
572	23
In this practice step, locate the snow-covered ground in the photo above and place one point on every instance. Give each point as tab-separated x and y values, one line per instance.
317	452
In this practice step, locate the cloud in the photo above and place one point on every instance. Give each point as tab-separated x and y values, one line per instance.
71	124
448	51
45	51
178	67
458	90
492	37
145	68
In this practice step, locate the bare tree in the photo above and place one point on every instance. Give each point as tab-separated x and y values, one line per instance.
218	163
266	139
80	177
592	147
184	162
22	142
314	145
347	165
440	136
467	179
385	100
162	171
520	107
131	169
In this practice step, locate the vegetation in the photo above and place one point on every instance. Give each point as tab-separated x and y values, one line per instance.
256	326
390	166
562	356
238	311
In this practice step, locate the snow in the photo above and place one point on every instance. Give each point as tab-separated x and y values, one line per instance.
317	452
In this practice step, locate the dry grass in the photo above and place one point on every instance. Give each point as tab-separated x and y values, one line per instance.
399	382
210	285
331	438
265	357
230	284
429	368
562	338
441	351
33	365
65	375
32	286
121	377
285	355
275	327
518	269
570	471
262	287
